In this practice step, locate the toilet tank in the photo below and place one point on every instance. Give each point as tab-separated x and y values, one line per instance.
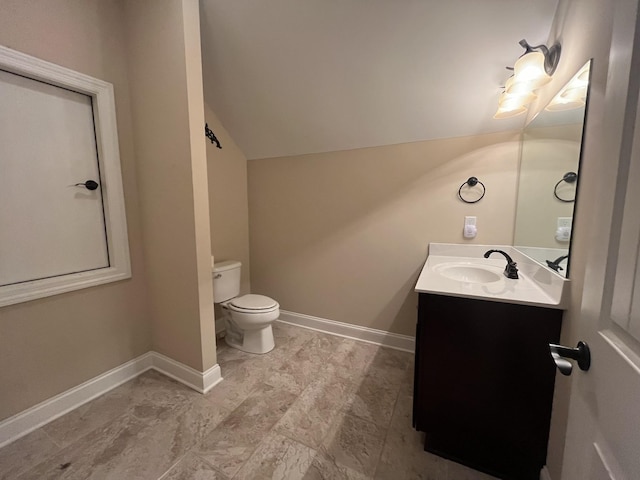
226	280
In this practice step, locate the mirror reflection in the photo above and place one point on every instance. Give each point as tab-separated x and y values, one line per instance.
549	176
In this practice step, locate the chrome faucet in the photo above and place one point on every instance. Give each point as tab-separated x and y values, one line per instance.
511	270
555	265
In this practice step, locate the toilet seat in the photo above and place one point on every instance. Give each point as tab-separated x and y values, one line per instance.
252	303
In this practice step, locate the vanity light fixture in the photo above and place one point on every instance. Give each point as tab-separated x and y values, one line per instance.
518	87
531	71
512	104
509	107
536	64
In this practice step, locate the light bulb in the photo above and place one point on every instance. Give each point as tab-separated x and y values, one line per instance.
530	68
509	99
518	88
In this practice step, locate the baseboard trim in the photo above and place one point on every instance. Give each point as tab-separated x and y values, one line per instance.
544	473
199	381
347	330
21	424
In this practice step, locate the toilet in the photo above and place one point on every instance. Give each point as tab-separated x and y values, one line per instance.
247	318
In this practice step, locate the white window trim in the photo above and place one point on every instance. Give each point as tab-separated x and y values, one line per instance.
104	110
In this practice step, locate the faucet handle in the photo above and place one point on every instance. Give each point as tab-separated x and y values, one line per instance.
511	270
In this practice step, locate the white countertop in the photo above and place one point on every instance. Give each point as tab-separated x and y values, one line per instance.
537	285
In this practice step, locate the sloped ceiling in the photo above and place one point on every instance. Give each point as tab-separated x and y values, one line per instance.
290	77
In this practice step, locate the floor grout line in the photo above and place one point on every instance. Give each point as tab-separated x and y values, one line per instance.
173	466
208	463
53	440
386	435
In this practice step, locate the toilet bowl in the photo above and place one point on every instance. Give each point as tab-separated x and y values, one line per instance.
248	322
247	318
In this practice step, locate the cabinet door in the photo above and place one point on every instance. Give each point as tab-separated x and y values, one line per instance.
487	383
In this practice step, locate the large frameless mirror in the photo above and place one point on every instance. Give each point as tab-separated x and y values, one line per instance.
549	176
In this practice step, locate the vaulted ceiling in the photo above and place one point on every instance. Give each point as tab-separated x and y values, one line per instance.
290	77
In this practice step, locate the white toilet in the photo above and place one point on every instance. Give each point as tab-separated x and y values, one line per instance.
248	318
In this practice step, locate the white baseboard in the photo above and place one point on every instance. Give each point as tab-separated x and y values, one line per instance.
200	381
35	417
347	330
544	473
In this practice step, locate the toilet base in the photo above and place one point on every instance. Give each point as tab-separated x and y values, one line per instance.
258	341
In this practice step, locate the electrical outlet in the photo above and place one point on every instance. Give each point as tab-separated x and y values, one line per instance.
470	230
565	222
563	232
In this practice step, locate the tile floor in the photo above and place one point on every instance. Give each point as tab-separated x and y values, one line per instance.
316	407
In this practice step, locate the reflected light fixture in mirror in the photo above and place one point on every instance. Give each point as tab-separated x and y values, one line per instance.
531	71
573	95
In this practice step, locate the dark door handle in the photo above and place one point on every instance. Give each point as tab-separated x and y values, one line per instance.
89	185
560	354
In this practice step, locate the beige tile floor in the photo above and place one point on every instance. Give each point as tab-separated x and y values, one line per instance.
316	407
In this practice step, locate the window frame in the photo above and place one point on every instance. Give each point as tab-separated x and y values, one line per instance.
104	116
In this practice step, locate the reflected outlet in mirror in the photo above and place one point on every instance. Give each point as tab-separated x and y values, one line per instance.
549	176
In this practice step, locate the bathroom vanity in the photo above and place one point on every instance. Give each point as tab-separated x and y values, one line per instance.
484	377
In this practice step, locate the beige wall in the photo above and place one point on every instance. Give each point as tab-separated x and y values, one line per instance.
52	344
228	203
153	48
168	113
584	28
343	235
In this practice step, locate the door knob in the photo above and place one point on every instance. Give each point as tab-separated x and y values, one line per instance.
89	185
560	354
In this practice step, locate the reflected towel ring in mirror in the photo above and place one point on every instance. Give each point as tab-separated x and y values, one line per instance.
472	182
569	177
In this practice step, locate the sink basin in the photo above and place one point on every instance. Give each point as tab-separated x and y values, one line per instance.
462	271
469	273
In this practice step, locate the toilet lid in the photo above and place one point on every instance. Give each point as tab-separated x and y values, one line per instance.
253	302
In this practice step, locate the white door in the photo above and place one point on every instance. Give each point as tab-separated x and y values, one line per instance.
603	434
47	143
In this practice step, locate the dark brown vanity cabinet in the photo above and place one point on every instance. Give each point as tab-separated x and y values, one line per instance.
484	381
